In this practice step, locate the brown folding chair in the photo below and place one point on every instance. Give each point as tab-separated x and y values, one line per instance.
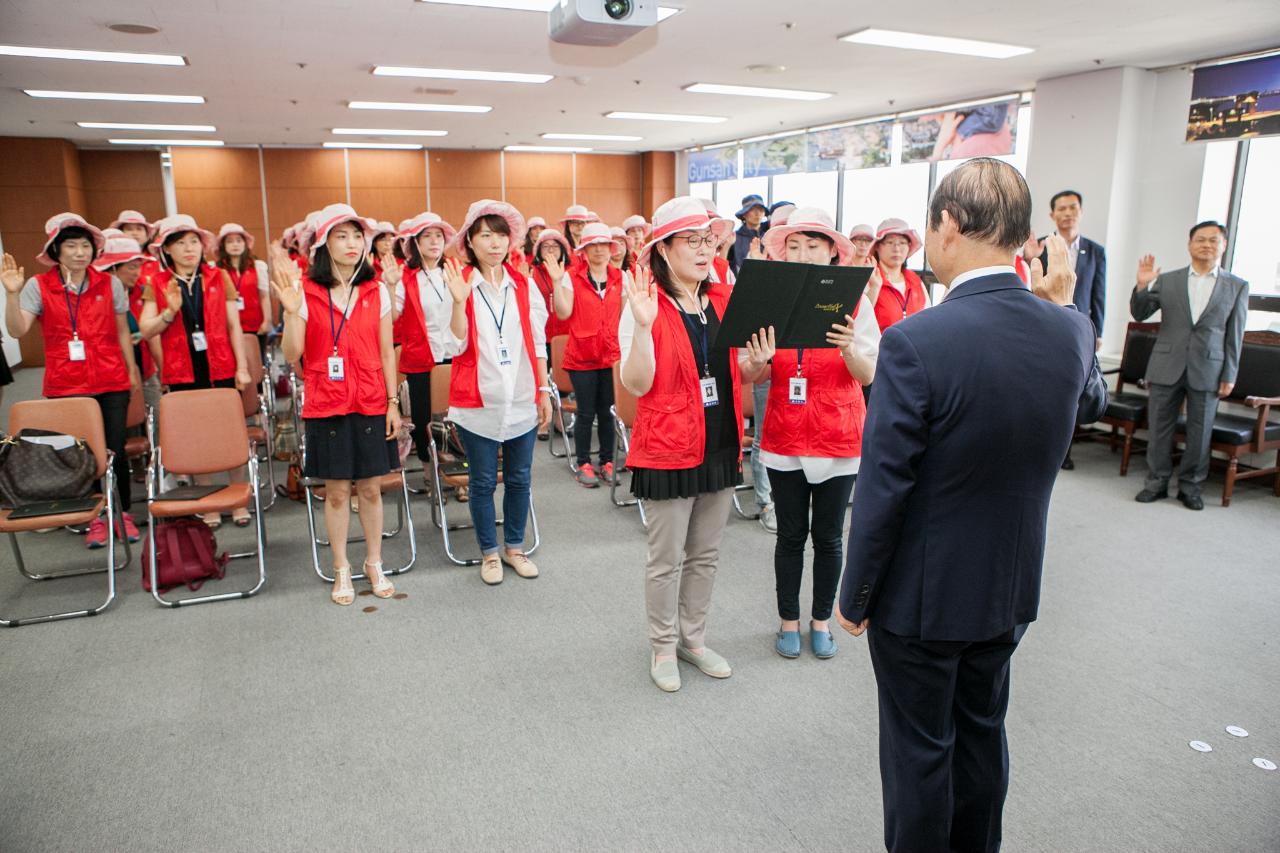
455	474
254	397
561	388
203	432
394	481
82	418
748	447
138	446
624	417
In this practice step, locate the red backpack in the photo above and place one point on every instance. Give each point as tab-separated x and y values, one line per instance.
185	554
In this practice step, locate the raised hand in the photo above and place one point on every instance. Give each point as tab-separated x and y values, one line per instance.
1059	284
761	347
288	293
458	287
1147	271
757	250
391	275
642	296
173	297
11	274
842	336
555	269
1031	248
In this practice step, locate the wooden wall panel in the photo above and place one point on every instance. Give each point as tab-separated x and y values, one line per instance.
220	185
460	177
301	180
388	185
609	184
121	180
539	184
658	180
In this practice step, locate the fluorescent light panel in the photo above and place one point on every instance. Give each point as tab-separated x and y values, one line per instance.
938	44
399	146
548	149
91	55
593	137
115	96
385	131
695	119
426	108
459	74
664	12
116	125
756	92
210	143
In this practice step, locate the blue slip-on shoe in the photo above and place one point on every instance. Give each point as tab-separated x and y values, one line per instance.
824	645
788	644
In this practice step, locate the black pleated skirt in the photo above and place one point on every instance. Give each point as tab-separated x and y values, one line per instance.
349	447
720	470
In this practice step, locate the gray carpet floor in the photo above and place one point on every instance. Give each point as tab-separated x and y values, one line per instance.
521	717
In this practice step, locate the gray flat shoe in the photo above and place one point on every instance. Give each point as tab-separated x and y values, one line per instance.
666	674
709	662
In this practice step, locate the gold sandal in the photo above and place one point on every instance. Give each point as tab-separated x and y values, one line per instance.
343	592
382	585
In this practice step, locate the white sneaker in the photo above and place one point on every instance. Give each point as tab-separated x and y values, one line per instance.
768	520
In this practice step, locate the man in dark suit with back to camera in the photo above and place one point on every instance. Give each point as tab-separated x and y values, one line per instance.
973	407
1196	357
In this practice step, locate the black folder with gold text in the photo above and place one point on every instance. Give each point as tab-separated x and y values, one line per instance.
800	301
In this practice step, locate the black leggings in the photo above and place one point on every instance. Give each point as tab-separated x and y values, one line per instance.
793	498
593	391
115	411
420	410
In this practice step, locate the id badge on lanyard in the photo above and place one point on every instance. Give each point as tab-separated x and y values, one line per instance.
75	349
240	303
710	393
798	390
199	342
504	354
337	370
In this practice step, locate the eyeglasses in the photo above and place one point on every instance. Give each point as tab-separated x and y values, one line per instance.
696	241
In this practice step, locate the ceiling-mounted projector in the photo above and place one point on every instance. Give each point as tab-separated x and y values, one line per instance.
600	23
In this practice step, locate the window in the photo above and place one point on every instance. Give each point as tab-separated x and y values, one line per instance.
808	189
873	195
703	190
1256	253
729	194
1215	184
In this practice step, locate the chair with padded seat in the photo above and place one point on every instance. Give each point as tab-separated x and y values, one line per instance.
561	405
1258	387
82	418
314	494
455	474
204	432
1126	411
138	447
624	418
255	399
748	447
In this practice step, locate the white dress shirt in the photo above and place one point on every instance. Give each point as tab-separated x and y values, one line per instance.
978	273
437	307
819	469
1073	251
508	391
1200	290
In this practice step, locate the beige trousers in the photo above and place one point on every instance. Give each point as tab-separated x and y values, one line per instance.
677	591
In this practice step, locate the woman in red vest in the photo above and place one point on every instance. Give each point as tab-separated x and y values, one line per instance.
550	247
337	320
686	447
193	309
422	309
896	292
88	349
576	217
383	253
812	438
589	299
498	385
250	278
124	260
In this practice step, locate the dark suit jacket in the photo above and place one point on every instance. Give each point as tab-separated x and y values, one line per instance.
1208	351
1091	281
971	414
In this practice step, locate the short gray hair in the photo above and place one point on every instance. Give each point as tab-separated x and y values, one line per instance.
988	200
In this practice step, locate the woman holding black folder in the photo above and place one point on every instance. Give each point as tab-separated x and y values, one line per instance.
686	447
813	435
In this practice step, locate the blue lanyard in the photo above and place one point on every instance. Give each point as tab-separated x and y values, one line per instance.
74	313
706	347
346	312
497	321
800	362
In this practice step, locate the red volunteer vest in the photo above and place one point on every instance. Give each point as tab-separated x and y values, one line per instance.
411	328
464	384
829	423
103	368
175	365
721	266
555	326
364	389
300	259
136	295
246	284
669	431
593	325
891	306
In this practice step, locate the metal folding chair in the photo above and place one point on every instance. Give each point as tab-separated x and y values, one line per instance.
315	495
79	417
455	474
203	432
624	417
256	400
561	388
748	448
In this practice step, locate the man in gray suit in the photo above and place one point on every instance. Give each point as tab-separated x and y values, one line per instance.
1196	355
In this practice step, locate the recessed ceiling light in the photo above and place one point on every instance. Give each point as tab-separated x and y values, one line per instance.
756	92
385	131
426	108
779	135
134	29
549	149
939	44
459	74
91	55
210	143
593	137
115	125
664	12
696	119
116	96
398	146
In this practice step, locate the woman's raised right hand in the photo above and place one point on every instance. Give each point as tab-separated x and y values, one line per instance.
11	274
642	296
458	287
173	297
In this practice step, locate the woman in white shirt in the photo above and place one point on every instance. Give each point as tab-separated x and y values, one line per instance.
498	385
812	439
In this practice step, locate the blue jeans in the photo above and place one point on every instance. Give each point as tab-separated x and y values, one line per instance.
482	459
759	475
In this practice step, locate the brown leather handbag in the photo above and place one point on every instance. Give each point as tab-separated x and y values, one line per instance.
31	472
